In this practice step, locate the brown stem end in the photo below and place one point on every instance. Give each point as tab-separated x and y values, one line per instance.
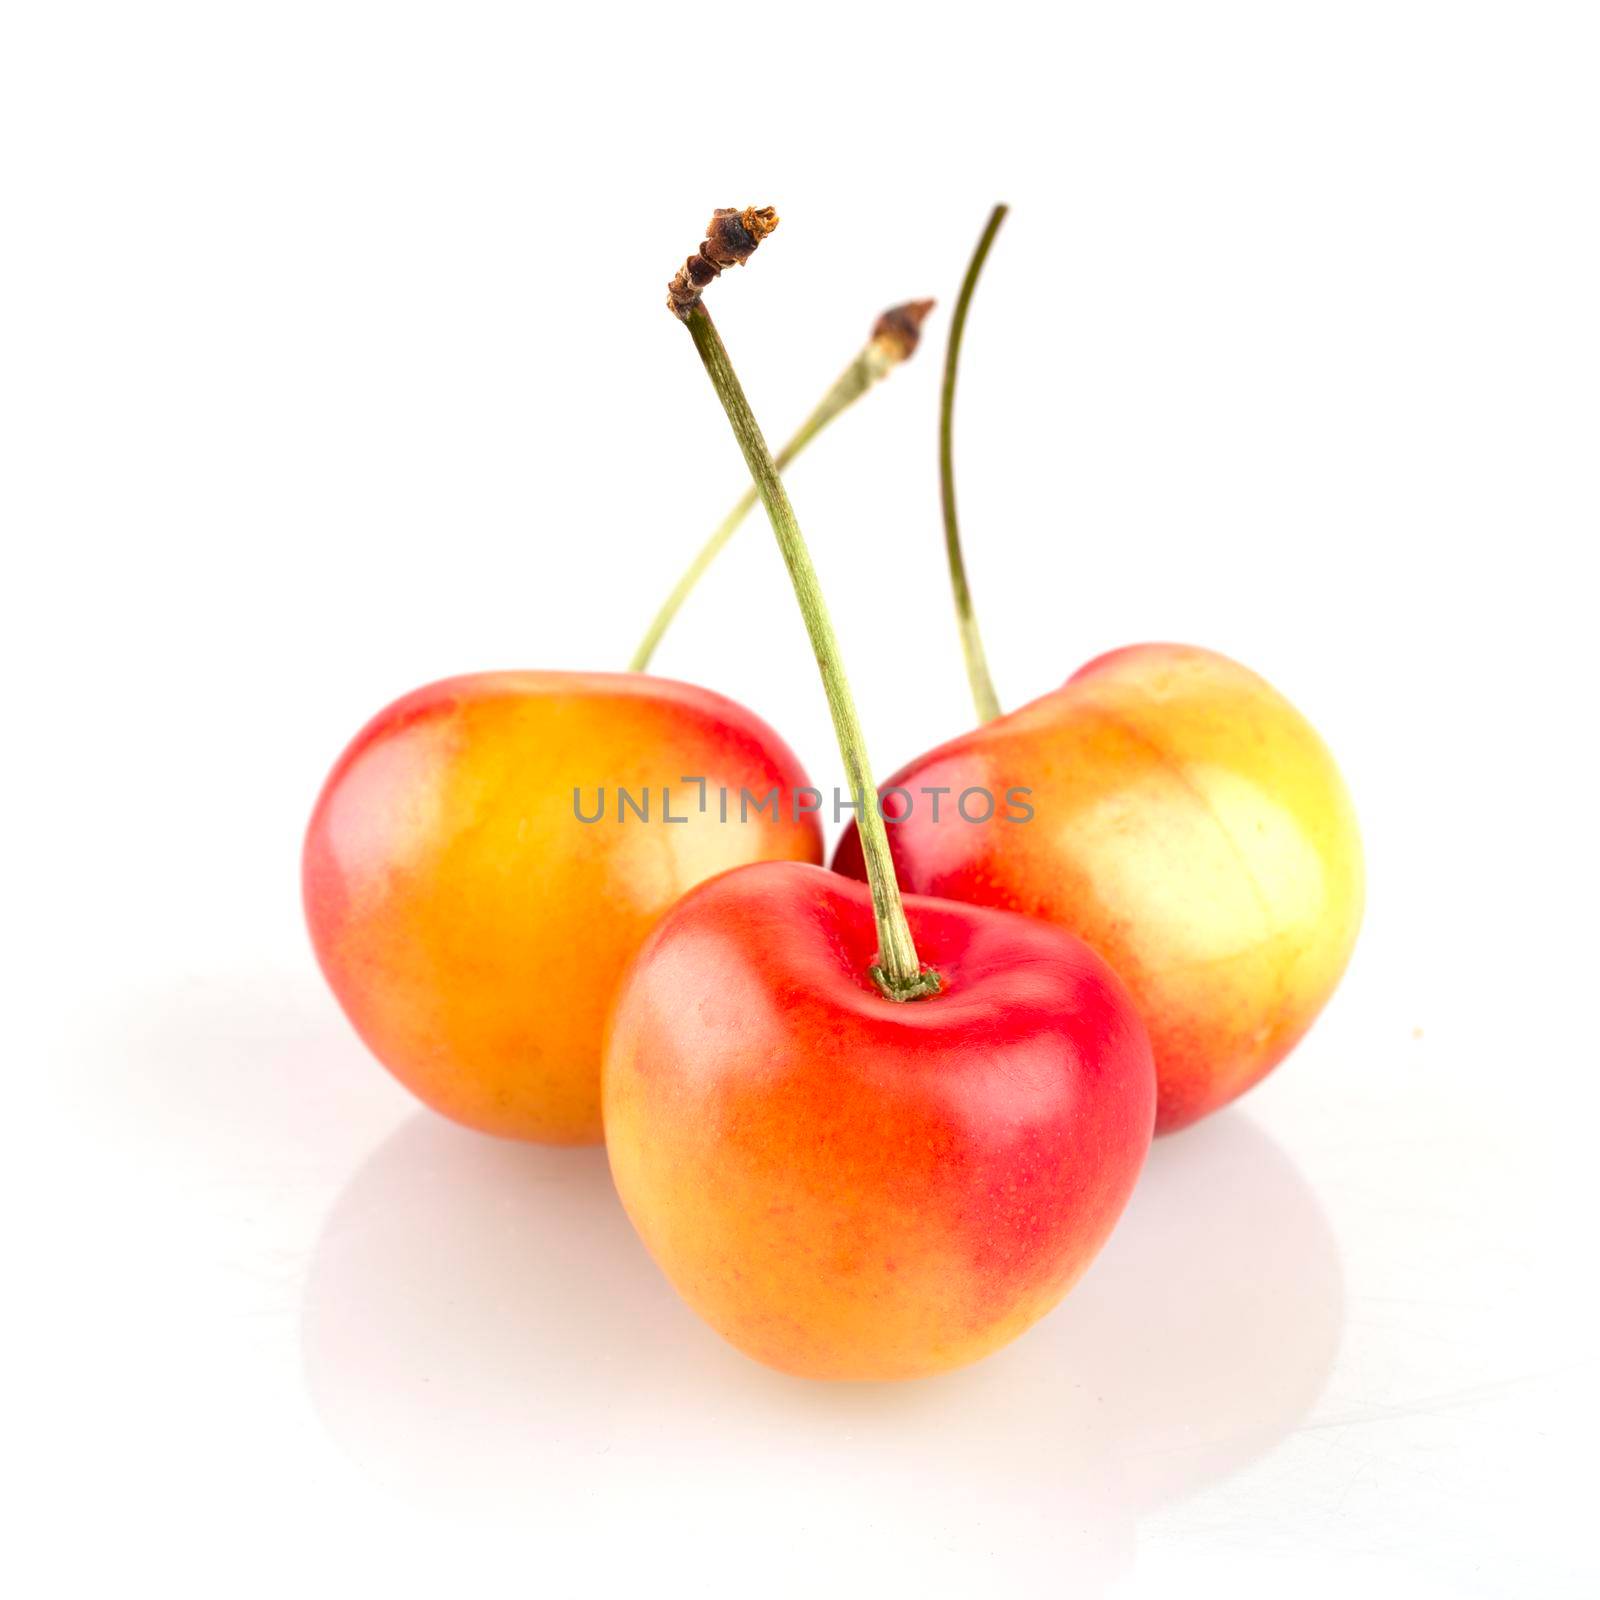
895	334
731	239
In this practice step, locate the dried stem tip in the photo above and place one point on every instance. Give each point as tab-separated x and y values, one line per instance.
731	239
896	332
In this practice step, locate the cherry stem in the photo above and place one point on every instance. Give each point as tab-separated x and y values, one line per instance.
983	694
898	974
894	340
852	383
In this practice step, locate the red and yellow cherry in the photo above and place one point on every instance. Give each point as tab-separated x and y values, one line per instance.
864	1139
1187	823
474	926
845	1187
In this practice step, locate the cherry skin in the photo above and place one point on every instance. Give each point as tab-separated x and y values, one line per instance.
1188	824
846	1187
472	927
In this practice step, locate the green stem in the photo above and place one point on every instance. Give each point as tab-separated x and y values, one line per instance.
983	694
852	383
898	974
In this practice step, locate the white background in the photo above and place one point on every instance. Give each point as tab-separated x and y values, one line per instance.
333	360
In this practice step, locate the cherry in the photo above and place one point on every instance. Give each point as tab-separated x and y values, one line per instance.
471	921
864	1138
844	1187
1187	822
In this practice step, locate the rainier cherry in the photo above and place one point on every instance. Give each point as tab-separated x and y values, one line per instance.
473	927
1187	823
864	1138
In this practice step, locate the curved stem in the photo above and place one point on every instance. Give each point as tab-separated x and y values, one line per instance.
983	694
898	974
851	384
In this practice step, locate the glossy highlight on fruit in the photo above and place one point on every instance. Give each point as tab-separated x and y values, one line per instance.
846	1187
472	927
1188	824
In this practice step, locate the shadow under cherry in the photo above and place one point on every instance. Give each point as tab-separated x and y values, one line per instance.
482	1329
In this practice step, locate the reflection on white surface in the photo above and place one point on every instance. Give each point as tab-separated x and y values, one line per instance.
482	1328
